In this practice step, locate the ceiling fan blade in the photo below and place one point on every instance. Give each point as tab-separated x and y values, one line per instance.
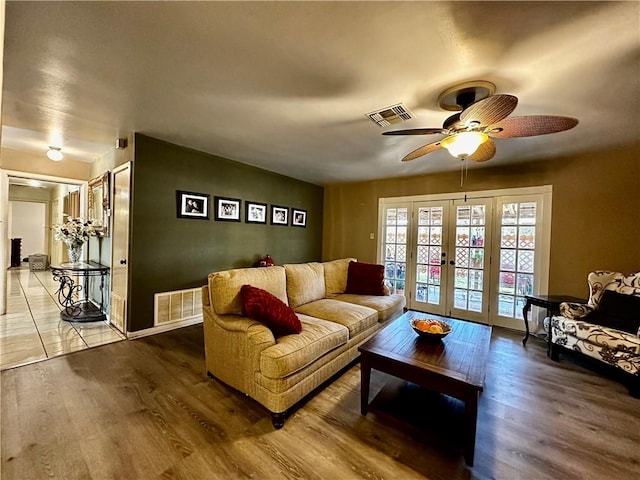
530	126
418	152
489	110
485	152
416	131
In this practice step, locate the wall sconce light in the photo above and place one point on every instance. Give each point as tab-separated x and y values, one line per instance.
55	154
463	144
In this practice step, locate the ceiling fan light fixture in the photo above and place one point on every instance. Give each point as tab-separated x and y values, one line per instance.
463	144
55	154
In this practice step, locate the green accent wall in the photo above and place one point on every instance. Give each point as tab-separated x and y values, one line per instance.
169	253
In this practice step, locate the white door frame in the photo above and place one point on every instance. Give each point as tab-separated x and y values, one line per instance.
542	261
119	319
4	218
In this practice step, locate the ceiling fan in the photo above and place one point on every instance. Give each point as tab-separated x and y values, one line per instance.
482	116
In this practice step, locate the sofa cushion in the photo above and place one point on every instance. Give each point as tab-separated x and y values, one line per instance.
563	328
305	283
365	279
335	276
355	317
260	305
224	287
616	310
294	352
386	306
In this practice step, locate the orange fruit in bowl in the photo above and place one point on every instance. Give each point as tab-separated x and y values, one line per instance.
422	325
436	328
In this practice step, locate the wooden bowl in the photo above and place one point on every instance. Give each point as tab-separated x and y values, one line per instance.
420	326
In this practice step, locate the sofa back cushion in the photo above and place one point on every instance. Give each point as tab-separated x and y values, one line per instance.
616	310
305	283
365	279
335	276
224	287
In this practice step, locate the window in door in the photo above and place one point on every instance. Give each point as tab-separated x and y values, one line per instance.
517	256
396	220
471	228
429	254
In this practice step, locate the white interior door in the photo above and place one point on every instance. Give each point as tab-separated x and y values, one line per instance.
28	222
120	247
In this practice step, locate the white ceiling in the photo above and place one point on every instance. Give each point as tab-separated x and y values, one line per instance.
286	85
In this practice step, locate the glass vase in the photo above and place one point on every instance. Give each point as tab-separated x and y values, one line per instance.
75	252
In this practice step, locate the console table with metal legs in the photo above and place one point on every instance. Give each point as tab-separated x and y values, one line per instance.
552	304
73	293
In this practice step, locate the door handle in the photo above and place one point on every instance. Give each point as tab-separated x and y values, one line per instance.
443	262
451	262
123	261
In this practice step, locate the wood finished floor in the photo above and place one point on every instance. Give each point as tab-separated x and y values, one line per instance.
145	409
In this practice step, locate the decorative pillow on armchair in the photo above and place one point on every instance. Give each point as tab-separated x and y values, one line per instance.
260	305
616	310
365	279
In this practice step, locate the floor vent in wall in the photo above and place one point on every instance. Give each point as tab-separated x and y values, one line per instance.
178	306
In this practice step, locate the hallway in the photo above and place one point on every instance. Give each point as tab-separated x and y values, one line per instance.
32	330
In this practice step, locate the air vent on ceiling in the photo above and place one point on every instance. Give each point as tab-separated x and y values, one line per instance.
390	115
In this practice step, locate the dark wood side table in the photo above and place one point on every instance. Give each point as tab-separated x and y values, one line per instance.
552	304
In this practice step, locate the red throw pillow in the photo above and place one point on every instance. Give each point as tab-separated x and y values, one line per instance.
365	278
260	305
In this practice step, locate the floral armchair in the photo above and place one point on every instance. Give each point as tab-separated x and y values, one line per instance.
606	328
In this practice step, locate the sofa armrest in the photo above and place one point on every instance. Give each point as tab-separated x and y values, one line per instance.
575	310
233	345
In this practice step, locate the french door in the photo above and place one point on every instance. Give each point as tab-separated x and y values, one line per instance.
451	260
470	258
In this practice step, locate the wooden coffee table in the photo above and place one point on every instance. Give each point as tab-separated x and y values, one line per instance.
455	366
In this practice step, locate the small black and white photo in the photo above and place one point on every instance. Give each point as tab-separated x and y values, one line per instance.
227	209
192	205
255	212
298	218
279	215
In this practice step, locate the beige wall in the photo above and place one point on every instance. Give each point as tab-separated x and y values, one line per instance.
20	161
113	158
596	211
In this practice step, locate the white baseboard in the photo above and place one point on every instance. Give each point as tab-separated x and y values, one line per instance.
164	327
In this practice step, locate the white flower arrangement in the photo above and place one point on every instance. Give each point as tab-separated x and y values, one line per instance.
75	232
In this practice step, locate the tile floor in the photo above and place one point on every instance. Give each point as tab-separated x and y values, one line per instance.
32	330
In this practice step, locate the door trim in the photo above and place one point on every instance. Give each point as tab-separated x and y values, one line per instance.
543	262
119	314
4	218
462	195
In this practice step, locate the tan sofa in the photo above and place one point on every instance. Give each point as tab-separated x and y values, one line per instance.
278	372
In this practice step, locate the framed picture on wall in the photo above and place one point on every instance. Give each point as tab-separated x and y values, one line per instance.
192	205
227	209
298	218
279	215
255	212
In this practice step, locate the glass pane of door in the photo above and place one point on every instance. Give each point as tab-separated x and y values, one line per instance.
431	219
395	230
471	224
516	277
